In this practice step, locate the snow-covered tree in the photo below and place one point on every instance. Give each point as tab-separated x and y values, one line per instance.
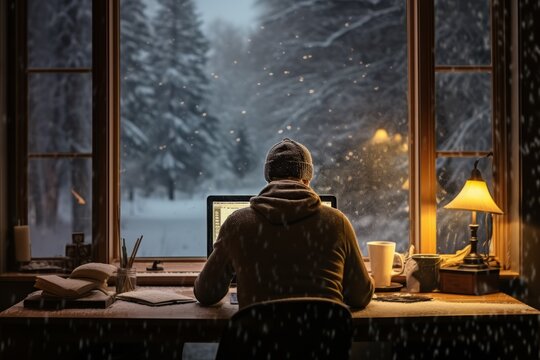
331	73
137	94
336	66
230	92
183	131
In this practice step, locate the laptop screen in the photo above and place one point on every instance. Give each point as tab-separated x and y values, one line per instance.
219	207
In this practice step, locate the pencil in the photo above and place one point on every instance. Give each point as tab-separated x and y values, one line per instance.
124	253
134	252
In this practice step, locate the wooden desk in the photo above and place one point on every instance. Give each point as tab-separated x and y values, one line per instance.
499	323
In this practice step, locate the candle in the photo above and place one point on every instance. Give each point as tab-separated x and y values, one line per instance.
22	243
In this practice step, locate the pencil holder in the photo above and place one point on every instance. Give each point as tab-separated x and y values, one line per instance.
126	280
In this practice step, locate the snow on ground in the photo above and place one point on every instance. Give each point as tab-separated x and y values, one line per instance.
170	228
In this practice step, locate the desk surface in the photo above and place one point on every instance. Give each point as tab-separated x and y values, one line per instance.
442	305
425	327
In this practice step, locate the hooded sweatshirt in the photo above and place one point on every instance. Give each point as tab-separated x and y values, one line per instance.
286	244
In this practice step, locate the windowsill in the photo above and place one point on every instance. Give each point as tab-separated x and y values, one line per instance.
174	273
180	274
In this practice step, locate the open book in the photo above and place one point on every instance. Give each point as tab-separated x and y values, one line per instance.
154	297
83	279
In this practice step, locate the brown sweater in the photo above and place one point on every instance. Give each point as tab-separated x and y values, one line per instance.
286	244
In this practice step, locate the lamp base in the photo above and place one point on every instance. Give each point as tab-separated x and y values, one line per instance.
469	281
473	261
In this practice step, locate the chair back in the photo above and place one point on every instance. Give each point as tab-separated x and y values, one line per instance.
299	328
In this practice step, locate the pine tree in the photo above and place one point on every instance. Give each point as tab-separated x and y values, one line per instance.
331	73
336	66
137	93
183	131
230	91
241	154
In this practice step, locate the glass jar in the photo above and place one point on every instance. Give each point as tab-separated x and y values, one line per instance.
126	280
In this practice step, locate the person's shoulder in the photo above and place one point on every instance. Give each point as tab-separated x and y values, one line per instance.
330	211
241	215
246	211
237	221
334	215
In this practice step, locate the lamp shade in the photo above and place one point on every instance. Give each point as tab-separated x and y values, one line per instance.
474	196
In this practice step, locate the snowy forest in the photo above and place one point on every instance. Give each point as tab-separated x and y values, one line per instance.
202	102
328	74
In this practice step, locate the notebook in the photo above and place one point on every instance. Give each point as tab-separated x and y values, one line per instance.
219	207
155	297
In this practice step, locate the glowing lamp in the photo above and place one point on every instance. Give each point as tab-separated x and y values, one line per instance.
474	197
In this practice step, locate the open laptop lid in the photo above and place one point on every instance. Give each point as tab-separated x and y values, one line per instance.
219	207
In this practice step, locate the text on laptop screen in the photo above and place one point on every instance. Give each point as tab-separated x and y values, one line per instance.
222	209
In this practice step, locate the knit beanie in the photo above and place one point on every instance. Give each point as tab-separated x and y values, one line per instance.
288	159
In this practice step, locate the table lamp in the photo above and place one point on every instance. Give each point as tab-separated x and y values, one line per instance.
474	197
473	276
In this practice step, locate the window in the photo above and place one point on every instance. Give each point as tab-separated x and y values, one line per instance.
460	118
203	101
464	113
57	148
177	100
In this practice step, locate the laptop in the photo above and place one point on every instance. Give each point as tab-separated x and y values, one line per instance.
219	207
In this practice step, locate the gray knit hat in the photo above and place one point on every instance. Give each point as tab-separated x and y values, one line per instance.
288	159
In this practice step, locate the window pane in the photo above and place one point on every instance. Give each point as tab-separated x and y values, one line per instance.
202	103
462	32
60	33
59	203
453	225
60	113
463	111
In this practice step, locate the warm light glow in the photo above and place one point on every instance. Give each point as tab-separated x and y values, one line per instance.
380	136
80	199
405	185
474	196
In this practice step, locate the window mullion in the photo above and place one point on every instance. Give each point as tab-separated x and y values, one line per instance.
501	34
423	62
21	115
104	58
56	70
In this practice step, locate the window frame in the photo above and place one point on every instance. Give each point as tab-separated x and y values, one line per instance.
422	139
101	90
422	70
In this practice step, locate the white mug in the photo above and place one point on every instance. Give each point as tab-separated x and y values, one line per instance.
381	259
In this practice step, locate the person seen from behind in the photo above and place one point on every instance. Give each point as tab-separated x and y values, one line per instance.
286	243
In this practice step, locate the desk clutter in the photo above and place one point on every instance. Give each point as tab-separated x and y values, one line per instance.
402	298
83	279
87	287
447	273
94	299
126	276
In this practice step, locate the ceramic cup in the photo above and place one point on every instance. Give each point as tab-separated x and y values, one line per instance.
427	273
381	259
